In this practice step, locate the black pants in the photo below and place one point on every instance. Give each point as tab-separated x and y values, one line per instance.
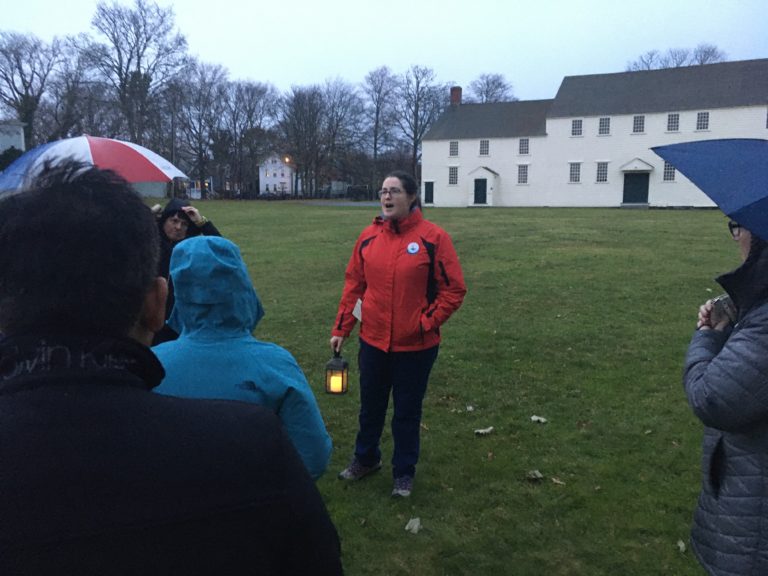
405	374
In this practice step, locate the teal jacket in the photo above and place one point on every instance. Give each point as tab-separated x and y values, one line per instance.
215	356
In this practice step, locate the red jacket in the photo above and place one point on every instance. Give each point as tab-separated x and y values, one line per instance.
409	280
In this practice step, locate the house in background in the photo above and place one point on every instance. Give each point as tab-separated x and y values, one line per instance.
591	144
277	176
12	135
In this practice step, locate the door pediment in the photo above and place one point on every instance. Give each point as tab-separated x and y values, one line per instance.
483	169
636	165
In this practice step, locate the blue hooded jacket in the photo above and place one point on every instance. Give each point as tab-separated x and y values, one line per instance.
215	312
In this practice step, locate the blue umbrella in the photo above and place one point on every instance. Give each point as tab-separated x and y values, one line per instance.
732	172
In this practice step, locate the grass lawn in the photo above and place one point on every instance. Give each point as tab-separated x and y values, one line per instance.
581	316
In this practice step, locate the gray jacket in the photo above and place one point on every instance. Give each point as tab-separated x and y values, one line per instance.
726	381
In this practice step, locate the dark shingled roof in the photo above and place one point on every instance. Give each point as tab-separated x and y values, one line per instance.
494	120
722	85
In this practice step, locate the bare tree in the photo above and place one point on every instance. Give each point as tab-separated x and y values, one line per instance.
163	122
26	63
142	53
342	126
677	57
200	116
58	113
647	61
420	100
76	101
490	88
379	89
251	109
300	126
707	54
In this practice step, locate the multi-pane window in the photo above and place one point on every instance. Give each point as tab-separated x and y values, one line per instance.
484	146
604	126
673	122
702	121
453	148
524	146
638	124
602	172
669	172
574	172
522	173
576	127
453	175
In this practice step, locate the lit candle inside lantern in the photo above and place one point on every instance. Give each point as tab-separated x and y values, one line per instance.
336	374
336	383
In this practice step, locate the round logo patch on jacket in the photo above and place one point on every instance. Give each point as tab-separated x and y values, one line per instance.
413	248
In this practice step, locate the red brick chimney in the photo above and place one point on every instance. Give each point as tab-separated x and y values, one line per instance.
455	95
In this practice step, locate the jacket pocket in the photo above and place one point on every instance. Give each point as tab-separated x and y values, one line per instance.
716	466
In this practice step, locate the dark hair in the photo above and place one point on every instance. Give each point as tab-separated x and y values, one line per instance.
409	185
174	208
78	252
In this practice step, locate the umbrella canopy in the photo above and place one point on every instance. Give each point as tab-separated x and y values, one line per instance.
133	162
732	172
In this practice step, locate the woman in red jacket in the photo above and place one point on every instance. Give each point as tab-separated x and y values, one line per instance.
403	282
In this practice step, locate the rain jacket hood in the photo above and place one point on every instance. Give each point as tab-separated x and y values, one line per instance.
213	291
216	356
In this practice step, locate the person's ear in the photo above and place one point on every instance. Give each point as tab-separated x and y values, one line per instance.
154	304
152	316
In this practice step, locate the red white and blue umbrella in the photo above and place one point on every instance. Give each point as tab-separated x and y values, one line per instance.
131	161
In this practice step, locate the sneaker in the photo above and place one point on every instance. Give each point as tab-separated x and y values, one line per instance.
357	471
402	486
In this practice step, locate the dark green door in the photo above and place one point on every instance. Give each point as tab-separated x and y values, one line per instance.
481	185
636	188
429	192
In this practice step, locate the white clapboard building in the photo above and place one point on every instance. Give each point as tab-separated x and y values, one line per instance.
591	144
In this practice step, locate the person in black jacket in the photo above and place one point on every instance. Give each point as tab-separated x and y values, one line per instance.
98	475
178	221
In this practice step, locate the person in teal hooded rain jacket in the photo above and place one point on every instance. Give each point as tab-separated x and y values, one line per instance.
215	356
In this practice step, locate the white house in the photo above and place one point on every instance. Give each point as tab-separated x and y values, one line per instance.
276	175
12	135
590	145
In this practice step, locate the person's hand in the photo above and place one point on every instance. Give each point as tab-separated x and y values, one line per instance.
194	215
336	343
707	321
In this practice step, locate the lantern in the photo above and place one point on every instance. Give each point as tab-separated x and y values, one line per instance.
336	373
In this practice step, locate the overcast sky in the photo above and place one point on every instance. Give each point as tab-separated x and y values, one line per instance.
534	43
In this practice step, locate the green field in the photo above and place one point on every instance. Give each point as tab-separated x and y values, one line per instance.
580	316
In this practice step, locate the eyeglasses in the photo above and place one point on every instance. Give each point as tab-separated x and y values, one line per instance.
734	228
391	191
